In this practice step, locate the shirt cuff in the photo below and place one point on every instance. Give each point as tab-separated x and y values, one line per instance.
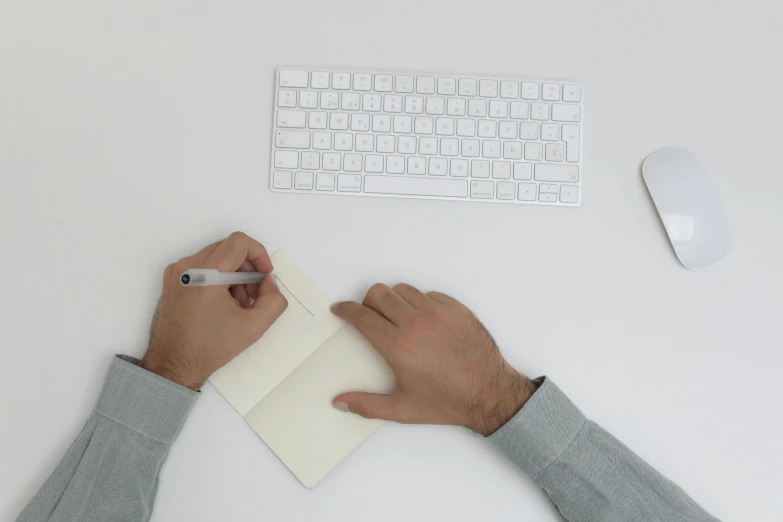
539	433
144	401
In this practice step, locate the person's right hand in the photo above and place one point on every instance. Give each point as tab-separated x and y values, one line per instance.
448	368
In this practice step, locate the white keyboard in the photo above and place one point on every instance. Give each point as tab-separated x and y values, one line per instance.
427	136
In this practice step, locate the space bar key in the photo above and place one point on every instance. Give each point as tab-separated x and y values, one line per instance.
450	188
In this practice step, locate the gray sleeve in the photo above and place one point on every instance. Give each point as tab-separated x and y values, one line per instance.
588	474
111	470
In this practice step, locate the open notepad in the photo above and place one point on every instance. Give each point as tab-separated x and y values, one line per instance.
284	384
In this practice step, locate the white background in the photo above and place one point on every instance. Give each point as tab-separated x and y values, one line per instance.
133	133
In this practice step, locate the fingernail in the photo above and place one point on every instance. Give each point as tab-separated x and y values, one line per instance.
342	406
273	279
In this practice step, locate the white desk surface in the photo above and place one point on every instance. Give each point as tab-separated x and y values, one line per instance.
133	133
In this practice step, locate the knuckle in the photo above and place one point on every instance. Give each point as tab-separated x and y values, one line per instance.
377	290
280	302
237	236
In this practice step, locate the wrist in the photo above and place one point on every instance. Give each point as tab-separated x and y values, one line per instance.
506	398
174	373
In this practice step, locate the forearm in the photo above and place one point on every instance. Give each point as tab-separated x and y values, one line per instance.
111	470
588	474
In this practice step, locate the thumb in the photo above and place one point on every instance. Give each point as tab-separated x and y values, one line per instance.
269	305
374	406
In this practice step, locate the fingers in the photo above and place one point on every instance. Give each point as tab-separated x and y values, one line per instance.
377	406
388	303
372	325
270	305
250	289
240	294
441	298
237	248
412	295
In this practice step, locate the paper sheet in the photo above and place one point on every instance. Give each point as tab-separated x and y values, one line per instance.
283	385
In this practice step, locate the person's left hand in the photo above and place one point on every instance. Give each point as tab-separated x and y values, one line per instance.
197	330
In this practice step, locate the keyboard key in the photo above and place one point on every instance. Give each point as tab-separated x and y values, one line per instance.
467	87
528	131
392	103
572	93
311	160
490	149
435	105
303	181
459	168
352	162
554	151
498	109
425	85
550	132
477	108
558	173
322	140
562	112
512	150
519	110
529	91
332	160
456	107
449	147
395	165
329	100
550	92
447	86
414	104
539	111
569	194
570	134
362	82
373	163
508	130
423	125
547	187
349	183
403	124
365	143
479	169
501	170
526	191
509	89
338	121
291	119
286	98
466	127
383	82
428	145
506	190
487	129
534	151
292	139
343	141
281	179
341	81
371	102
523	171
360	122
381	123
417	166
488	88
438	167
403	84
406	144
406	186
287	159
546	197
444	126
350	101
318	120
482	189
319	80
308	100
384	143
324	181
471	148
290	78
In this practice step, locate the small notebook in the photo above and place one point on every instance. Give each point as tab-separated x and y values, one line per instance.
284	384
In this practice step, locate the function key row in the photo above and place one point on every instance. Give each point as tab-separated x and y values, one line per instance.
446	86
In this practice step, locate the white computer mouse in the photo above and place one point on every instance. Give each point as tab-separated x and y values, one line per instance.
689	207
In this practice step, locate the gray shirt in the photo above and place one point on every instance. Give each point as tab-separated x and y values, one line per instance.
111	471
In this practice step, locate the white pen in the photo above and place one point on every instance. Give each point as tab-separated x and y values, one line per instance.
212	277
